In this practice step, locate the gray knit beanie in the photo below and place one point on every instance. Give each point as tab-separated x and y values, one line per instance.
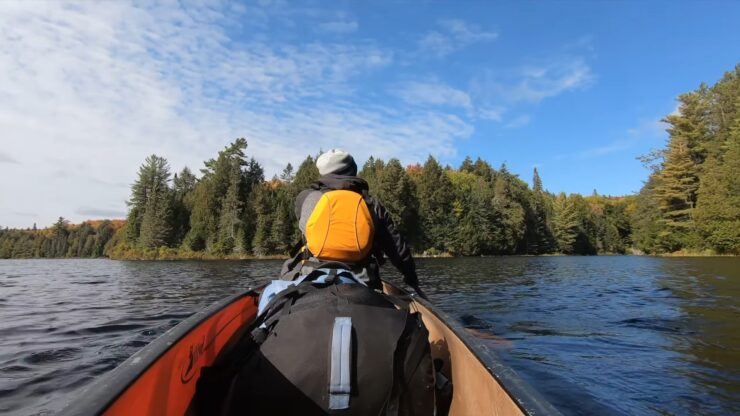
337	162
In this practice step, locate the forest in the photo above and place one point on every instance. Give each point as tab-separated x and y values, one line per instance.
690	203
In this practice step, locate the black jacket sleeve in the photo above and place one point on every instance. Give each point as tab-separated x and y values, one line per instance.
392	243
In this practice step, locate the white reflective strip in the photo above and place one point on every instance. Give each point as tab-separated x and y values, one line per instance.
341	357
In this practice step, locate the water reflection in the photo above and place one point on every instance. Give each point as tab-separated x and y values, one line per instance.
709	296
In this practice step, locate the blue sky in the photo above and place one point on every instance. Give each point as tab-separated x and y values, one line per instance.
576	89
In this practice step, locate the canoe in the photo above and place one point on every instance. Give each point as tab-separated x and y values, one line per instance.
160	379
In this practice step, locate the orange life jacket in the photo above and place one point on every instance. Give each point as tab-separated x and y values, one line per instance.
340	227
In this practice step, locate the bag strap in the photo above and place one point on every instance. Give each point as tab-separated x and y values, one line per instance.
263	324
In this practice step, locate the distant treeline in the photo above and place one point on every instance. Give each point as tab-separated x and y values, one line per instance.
690	202
88	239
231	210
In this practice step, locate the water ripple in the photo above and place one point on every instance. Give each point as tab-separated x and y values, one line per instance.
595	335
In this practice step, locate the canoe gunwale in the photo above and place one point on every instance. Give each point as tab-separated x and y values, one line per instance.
529	400
110	386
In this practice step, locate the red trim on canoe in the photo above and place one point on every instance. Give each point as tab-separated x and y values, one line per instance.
168	386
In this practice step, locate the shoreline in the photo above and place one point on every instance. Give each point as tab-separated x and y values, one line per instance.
213	257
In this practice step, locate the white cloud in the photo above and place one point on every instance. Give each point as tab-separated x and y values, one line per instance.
519	121
454	34
646	130
467	33
6	158
491	113
339	26
534	83
538	83
610	148
433	93
91	89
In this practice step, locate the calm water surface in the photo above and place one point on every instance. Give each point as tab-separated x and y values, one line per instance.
595	335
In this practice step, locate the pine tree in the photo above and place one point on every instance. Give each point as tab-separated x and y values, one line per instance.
565	224
156	224
508	215
287	175
467	165
718	207
219	221
231	210
149	192
372	172
539	235
183	186
677	187
306	174
396	191
435	205
58	241
280	231
261	242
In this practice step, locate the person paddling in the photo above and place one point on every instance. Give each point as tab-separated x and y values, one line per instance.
341	222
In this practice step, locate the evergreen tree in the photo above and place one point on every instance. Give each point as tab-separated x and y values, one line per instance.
509	215
183	187
261	242
718	207
287	176
539	235
231	211
372	172
219	223
467	165
435	205
396	191
149	191
155	224
565	224
281	232
306	174
484	170
677	187
473	220
58	241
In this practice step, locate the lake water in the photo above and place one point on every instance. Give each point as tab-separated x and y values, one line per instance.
595	335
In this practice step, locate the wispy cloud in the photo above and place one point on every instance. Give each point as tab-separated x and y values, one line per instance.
540	82
519	121
433	93
339	26
646	130
495	113
453	35
100	88
534	83
6	158
610	148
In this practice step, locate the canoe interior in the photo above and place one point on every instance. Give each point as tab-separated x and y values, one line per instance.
475	390
161	378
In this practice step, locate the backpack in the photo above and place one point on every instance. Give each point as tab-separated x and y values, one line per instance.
329	348
340	227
